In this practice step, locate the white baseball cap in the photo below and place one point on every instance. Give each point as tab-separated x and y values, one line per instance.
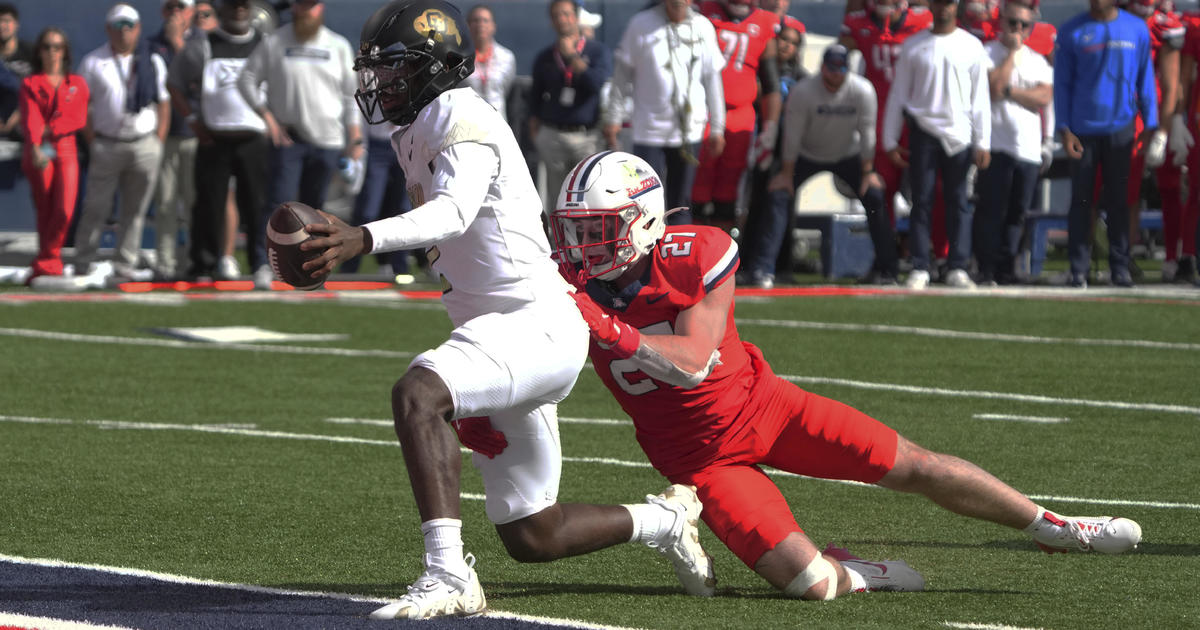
186	3
122	12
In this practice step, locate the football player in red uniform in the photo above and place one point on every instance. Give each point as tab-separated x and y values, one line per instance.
877	33
1181	231
708	410
980	18
747	38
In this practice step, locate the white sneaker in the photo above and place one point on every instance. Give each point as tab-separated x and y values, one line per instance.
958	279
263	277
882	575
1060	534
1169	269
438	593
918	279
693	566
227	268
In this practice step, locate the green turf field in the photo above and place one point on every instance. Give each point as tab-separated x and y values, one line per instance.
122	447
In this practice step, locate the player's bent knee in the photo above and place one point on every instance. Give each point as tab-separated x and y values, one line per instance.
818	580
419	396
525	540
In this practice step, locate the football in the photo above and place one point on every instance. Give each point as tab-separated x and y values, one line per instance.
285	233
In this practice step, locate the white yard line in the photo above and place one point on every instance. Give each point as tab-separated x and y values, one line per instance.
941	333
16	621
192	345
226	429
985	626
1016	418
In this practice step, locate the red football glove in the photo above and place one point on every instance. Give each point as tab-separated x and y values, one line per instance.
478	435
620	337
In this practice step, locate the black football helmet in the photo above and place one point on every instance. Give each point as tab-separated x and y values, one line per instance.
410	52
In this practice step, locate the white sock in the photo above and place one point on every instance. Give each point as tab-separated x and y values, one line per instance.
650	522
1037	521
444	546
857	581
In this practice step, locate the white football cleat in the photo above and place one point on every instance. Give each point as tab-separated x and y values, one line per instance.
438	593
918	280
1087	533
693	566
882	575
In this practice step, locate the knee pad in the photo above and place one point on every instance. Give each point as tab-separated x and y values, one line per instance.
816	571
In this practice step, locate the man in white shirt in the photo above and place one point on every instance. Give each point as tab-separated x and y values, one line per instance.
940	89
309	112
668	65
128	117
519	341
495	65
1021	83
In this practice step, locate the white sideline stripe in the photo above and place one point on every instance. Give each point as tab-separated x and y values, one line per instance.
376	422
392	354
962	334
191	581
985	626
192	345
1015	418
607	461
970	393
50	623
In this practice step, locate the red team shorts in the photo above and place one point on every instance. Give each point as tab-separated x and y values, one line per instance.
815	436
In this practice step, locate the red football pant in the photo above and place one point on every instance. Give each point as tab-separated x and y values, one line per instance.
54	191
811	435
718	178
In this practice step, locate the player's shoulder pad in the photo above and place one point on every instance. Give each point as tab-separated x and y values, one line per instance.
708	253
458	115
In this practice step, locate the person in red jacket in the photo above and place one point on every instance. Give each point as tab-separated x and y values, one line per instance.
53	106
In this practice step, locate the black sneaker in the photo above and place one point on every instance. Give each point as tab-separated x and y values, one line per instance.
1122	278
1077	281
1186	271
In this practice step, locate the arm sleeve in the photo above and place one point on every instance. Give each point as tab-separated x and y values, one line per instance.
458	192
600	67
349	86
893	111
981	104
160	84
866	120
622	87
714	86
1147	87
252	75
768	75
795	121
32	123
1064	78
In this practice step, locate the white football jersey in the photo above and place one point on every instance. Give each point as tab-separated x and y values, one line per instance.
502	260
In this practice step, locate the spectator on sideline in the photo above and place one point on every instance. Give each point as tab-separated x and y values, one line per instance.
384	194
232	139
54	106
17	57
750	76
829	125
1187	224
568	77
941	91
495	65
175	195
127	125
1021	84
669	64
309	111
204	17
780	9
768	213
878	33
1103	79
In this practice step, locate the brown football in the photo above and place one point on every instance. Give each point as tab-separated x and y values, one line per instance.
285	233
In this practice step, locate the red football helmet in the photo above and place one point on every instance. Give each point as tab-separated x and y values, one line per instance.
1140	8
888	10
738	9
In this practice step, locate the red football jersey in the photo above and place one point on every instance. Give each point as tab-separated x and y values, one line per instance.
880	44
1191	48
742	43
679	429
1165	30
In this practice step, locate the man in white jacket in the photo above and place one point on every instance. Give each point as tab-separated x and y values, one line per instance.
941	91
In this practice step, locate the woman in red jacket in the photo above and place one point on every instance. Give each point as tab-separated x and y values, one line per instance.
53	107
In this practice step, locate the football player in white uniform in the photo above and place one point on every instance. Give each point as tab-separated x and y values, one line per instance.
519	341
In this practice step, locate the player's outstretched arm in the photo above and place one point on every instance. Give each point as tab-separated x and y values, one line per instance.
698	332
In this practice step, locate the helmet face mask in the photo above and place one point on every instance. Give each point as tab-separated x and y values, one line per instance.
608	217
411	51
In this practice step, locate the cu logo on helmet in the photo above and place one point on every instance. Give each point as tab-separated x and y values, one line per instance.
435	22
